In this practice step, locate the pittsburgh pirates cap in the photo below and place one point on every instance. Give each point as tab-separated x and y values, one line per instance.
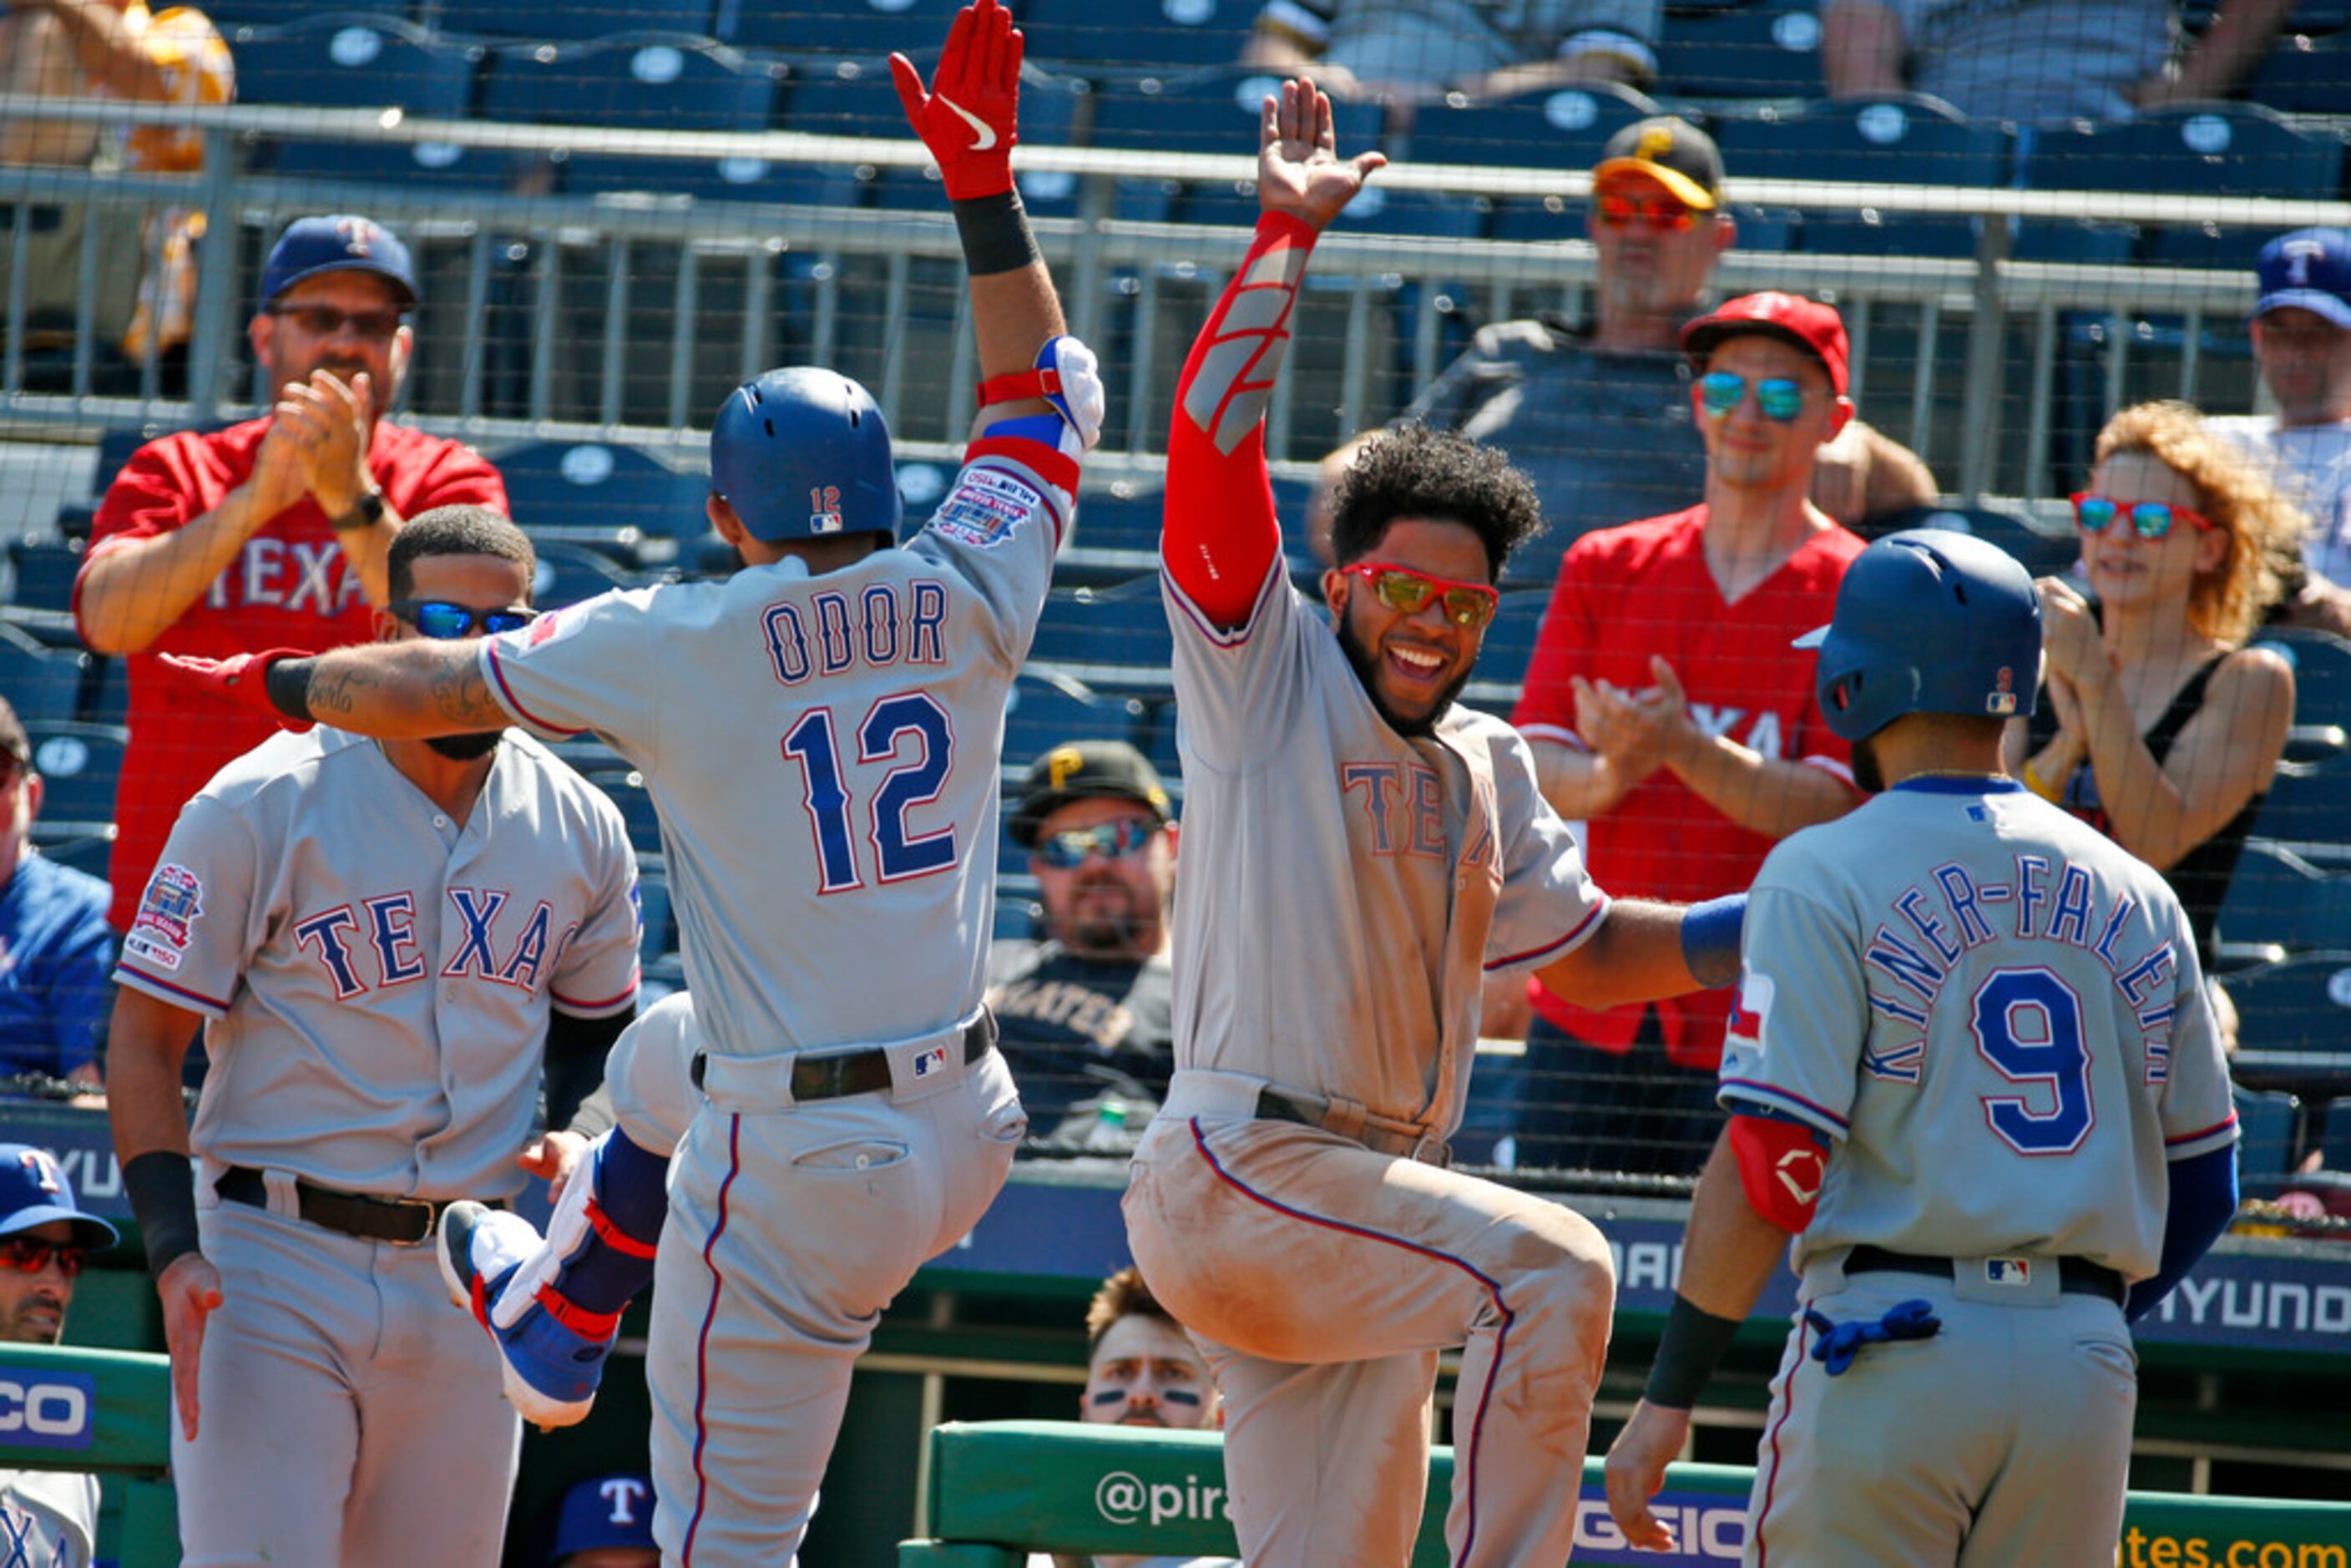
2309	269
342	242
1809	325
1670	151
1084	770
35	1190
604	1511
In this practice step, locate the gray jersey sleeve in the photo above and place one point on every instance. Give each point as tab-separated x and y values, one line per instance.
596	974
1802	1017
204	912
594	665
1234	687
1001	528
2198	1111
1550	905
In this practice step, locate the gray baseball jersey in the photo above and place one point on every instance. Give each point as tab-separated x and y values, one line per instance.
1383	877
48	1519
376	979
1959	980
823	753
1994	1016
377	976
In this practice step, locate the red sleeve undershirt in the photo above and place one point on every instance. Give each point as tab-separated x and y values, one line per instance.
1220	537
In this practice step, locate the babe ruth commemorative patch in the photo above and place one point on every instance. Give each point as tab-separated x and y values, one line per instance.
985	508
173	902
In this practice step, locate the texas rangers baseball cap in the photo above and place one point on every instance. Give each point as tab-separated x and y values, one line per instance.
342	242
604	1511
1670	151
1085	770
2309	269
35	1190
1811	325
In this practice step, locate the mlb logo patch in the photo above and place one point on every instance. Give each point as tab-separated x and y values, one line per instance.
932	1061
2013	1272
2000	701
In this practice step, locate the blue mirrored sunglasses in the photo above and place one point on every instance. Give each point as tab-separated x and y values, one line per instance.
1067	850
2094	513
445	623
1778	397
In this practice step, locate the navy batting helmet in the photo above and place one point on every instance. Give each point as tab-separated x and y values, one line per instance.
1929	620
802	453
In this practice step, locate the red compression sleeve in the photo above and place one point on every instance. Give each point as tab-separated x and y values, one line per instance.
1220	537
1780	1164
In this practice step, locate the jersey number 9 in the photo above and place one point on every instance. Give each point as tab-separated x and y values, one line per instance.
2028	1025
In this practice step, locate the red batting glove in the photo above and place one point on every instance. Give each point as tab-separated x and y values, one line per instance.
970	116
241	679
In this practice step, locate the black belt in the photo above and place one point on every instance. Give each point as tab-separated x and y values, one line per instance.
403	1221
2075	1276
1272	1106
863	1071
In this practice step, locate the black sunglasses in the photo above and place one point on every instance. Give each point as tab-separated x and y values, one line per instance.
445	623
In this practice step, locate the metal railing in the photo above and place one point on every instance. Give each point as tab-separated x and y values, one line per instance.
1960	407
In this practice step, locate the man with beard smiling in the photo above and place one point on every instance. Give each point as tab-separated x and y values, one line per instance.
1361	852
376	936
1085	1011
269	533
46	1517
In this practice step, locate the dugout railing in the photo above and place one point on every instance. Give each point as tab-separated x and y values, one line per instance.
998	1490
1979	324
106	1412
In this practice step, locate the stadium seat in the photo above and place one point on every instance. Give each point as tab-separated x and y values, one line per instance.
1043	714
2043	554
1212	113
2192	151
2294	1031
627	788
1150	38
1114	637
2303	73
2322	692
2308	811
45	571
656	922
1510	642
81	765
566	24
1108	519
43	684
2266	1123
1741	52
588	491
346	62
844	97
665	84
1906	141
1564	128
2281	904
865	29
569	573
229	15
87	853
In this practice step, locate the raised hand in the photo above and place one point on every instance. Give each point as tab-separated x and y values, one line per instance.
970	115
1299	170
327	421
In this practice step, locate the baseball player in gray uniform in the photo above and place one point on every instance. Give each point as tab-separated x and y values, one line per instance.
48	1519
376	939
821	734
1360	852
1973	1075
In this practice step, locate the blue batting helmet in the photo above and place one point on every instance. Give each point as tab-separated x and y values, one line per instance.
1929	620
802	453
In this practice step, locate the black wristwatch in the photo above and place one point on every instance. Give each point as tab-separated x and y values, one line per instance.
365	513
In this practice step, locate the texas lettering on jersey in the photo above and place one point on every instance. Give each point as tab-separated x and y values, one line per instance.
1931	924
371	944
288	574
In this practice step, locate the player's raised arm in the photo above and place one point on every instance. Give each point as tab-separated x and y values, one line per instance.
968	116
1221	537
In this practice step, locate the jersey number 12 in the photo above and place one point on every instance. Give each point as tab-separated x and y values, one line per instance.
899	852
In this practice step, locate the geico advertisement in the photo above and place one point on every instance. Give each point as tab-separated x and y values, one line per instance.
47	1409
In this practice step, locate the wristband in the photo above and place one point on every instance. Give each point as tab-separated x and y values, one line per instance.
365	513
1692	1347
1710	939
162	1187
288	682
2038	785
995	234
